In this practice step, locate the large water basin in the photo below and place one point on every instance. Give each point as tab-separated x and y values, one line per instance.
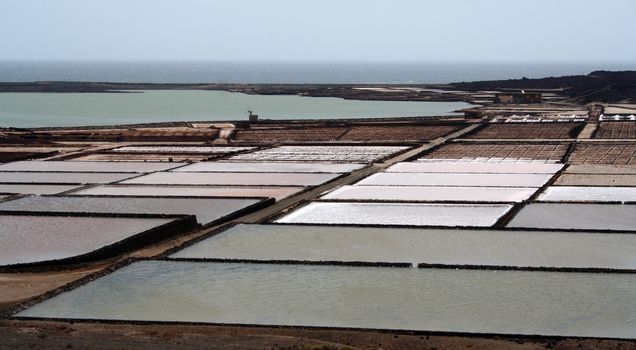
476	301
415	246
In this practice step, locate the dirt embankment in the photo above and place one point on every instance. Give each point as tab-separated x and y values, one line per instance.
61	335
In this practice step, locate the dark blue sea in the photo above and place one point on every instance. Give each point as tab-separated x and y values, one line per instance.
292	72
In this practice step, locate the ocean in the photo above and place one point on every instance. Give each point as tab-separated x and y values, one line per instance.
292	72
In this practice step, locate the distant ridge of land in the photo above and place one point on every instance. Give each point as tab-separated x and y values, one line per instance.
598	86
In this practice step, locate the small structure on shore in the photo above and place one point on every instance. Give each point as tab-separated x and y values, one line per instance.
517	97
253	118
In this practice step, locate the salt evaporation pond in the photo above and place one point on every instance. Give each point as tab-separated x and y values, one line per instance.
82	166
431	193
429	246
601	169
353	154
576	216
30	239
596	180
244	179
450	300
454	179
181	149
475	167
397	214
35	189
206	210
588	194
271	167
278	193
18	177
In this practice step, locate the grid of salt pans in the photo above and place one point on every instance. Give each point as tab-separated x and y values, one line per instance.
351	154
418	194
599	197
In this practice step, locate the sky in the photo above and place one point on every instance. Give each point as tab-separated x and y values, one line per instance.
319	30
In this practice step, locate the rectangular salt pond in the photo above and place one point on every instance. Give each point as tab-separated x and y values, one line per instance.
35	189
181	149
601	169
271	167
431	193
596	180
432	179
244	179
191	191
474	167
80	166
30	239
577	216
321	153
332	150
61	178
448	300
430	246
207	210
282	157
588	194
397	214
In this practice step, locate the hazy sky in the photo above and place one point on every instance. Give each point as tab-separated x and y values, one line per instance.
319	30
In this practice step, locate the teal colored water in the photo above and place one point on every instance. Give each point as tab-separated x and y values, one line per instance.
80	109
476	301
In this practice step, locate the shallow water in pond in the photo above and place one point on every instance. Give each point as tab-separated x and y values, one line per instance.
79	166
431	193
577	216
455	179
481	301
35	189
205	209
27	239
191	191
397	214
588	193
61	178
270	167
475	167
360	154
246	179
181	149
431	246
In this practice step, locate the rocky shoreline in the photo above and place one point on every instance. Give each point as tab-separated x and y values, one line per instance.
598	86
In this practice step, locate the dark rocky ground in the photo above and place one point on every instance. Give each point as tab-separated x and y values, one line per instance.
598	86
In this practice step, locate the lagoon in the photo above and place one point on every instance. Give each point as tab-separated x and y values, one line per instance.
27	110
